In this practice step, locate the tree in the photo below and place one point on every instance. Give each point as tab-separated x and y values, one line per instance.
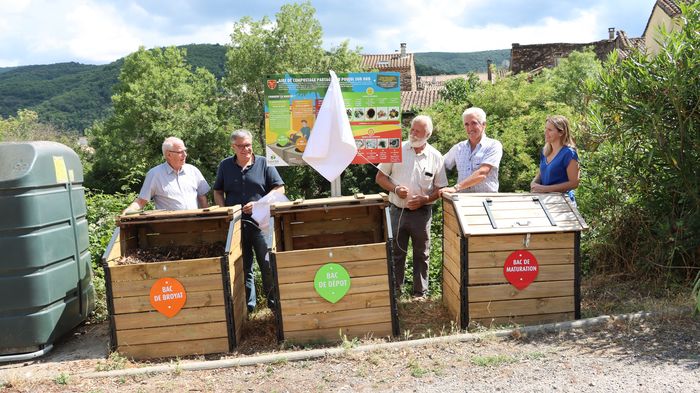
457	90
290	44
158	95
643	183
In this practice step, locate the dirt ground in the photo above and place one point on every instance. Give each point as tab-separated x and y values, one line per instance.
656	354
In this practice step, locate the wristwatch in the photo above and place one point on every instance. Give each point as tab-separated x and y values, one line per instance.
456	187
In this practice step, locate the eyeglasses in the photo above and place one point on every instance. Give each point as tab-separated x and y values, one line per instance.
244	146
179	152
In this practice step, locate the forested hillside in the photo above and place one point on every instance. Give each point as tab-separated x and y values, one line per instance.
437	63
71	96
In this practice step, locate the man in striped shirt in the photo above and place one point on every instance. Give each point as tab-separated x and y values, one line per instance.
477	159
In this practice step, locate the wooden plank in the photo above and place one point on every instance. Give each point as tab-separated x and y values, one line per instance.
452	245
359	252
337	319
525	319
452	224
319	214
348	302
452	283
503	209
516	242
334	240
288	244
153	318
124	305
209	282
172	349
342	225
113	250
510	308
522	220
154	335
558	256
507	292
323	203
476	199
307	273
378	225
358	285
452	268
176	269
561	227
451	301
213	213
375	330
207	225
546	273
184	239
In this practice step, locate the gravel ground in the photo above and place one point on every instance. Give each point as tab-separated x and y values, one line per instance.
651	355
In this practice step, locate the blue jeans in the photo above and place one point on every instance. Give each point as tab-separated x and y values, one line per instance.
253	240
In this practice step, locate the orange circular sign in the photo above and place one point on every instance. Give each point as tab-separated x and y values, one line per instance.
168	296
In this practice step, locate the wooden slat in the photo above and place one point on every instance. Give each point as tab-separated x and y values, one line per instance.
516	242
319	215
452	246
504	209
198	331
376	330
507	292
521	307
526	319
451	224
113	250
452	267
481	230
558	256
209	282
323	203
315	228
209	225
124	305
171	349
331	254
365	236
451	301
337	319
358	285
184	239
213	213
348	302
307	273
153	318
520	221
546	273
476	199
155	270
452	283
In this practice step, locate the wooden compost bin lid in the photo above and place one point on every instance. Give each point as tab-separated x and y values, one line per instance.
162	216
380	200
513	213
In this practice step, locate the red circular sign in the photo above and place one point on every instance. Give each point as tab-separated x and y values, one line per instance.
521	268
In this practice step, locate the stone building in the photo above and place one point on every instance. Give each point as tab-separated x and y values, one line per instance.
528	58
663	14
401	62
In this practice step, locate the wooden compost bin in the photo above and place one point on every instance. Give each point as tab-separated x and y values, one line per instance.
211	319
353	232
480	233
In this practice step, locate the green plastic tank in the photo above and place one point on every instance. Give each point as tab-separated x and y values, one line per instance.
46	284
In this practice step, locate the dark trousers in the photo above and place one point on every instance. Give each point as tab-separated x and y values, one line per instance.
253	240
413	224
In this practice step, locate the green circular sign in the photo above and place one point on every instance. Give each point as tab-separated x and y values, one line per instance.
282	140
332	282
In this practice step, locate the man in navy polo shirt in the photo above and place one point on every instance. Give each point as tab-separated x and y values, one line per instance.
242	180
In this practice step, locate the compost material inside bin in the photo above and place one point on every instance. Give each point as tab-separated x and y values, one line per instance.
171	253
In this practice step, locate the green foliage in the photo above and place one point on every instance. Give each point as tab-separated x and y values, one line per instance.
158	95
436	63
102	210
25	126
642	184
457	90
292	44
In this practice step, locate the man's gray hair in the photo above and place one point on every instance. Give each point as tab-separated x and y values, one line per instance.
425	119
241	134
169	142
480	114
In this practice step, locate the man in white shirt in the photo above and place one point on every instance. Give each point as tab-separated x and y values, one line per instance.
414	185
477	159
173	185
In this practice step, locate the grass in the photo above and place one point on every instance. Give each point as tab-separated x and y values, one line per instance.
62	379
493	360
115	361
416	370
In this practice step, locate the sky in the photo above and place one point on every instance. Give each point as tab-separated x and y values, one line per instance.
102	31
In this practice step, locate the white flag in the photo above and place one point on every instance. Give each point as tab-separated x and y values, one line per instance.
331	146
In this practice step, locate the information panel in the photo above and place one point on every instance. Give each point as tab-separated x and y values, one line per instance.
373	106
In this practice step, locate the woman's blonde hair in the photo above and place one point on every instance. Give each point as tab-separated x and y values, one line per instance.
561	123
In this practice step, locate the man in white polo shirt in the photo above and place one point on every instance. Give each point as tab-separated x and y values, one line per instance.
173	185
477	159
414	185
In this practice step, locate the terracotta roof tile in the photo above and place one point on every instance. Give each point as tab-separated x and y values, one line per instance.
387	61
418	99
670	7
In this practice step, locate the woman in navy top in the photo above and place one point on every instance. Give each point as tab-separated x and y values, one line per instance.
559	169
